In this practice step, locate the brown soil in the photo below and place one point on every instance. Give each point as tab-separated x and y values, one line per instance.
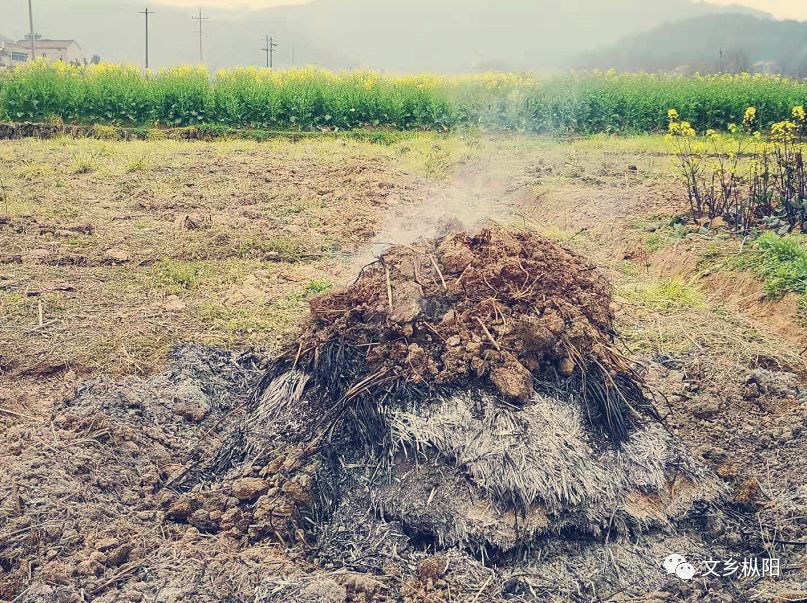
160	242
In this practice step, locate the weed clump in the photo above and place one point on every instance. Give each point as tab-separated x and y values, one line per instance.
781	262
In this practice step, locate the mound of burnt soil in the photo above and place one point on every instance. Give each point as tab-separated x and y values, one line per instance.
467	384
499	309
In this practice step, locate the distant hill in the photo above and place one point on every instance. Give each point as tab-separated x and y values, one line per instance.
747	43
472	35
447	36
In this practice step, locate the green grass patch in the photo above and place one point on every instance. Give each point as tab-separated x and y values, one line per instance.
317	286
781	263
260	318
282	248
12	301
664	234
138	163
176	276
85	161
712	256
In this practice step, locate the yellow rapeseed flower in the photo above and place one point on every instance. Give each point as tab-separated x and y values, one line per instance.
687	129
749	117
784	131
680	128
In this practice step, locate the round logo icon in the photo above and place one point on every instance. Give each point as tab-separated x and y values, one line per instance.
672	561
685	571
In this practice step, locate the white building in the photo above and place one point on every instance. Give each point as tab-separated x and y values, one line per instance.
13	54
57	50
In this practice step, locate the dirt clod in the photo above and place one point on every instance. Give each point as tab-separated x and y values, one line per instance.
116	256
323	591
432	568
181	509
106	544
118	556
249	488
514	381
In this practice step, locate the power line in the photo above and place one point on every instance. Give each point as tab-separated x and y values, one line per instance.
200	18
147	12
269	49
33	36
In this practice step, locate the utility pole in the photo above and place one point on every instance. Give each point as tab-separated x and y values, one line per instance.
147	12
33	36
200	18
292	52
269	49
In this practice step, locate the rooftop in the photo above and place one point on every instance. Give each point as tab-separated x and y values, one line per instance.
45	43
15	47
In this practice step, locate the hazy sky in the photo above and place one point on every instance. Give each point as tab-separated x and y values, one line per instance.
445	36
783	9
236	4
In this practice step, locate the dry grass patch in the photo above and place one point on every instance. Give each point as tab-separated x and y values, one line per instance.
126	248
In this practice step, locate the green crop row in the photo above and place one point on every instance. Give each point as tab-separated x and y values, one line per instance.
314	99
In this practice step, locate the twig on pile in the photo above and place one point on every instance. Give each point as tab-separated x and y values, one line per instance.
526	273
491	287
414	370
464	270
389	289
18	414
490	337
133	567
363	268
9	535
481	589
497	312
439	272
433	330
297	357
416	266
524	293
356	389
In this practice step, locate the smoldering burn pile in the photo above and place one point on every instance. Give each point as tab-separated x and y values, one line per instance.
464	393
